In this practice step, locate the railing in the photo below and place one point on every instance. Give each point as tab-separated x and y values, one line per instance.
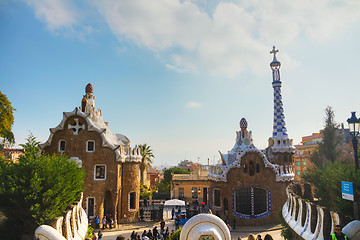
75	226
310	221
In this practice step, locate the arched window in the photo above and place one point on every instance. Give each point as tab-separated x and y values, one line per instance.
252	202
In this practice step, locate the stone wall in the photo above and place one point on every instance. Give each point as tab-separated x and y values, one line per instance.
237	178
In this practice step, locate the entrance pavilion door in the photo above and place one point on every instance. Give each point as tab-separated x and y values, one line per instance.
90	206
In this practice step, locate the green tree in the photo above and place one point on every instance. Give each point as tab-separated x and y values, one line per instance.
327	183
146	160
164	184
6	120
329	149
37	189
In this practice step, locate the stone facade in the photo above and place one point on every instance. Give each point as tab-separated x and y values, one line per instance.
112	175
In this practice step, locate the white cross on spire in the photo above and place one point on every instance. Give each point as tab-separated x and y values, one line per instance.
274	51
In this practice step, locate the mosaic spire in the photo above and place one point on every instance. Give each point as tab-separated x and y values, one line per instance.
280	140
279	129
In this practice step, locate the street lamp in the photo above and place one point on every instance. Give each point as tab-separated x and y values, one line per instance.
354	131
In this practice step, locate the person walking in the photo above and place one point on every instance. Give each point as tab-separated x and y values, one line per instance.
97	222
162	225
155	232
100	235
172	213
104	223
338	235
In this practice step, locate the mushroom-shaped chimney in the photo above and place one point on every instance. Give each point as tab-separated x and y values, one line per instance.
243	126
89	88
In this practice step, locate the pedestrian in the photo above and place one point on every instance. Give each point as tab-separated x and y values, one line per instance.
338	235
172	213
229	227
268	237
258	237
120	237
251	237
149	234
111	222
144	233
93	236
133	235
177	222
142	214
97	222
100	235
104	223
179	210
155	232
162	225
166	234
145	238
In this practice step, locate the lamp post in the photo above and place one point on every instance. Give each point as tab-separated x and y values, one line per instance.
354	131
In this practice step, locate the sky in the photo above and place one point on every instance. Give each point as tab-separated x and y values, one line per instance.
179	75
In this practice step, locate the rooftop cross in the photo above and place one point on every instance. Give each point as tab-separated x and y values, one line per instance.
274	51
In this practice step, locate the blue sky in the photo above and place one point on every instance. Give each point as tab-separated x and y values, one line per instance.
179	75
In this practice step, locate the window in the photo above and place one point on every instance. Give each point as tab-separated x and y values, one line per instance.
251	202
100	172
62	145
217	202
90	146
297	163
304	163
194	192
298	173
181	193
226	204
132	201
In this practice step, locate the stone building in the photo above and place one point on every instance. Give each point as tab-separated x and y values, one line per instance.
303	154
249	186
112	180
191	187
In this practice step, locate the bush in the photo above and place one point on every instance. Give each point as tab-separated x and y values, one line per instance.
176	235
286	231
327	182
37	189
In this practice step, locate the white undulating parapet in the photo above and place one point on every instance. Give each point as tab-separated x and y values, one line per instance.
352	230
205	225
76	225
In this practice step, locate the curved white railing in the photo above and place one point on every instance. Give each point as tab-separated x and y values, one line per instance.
76	226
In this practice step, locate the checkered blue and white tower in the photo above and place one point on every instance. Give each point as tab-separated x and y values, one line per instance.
280	139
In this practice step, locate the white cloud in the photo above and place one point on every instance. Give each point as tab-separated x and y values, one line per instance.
224	38
192	104
232	38
55	13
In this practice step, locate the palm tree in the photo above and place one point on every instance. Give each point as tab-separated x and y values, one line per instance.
146	153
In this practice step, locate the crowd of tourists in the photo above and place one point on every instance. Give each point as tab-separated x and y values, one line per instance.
258	237
152	234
